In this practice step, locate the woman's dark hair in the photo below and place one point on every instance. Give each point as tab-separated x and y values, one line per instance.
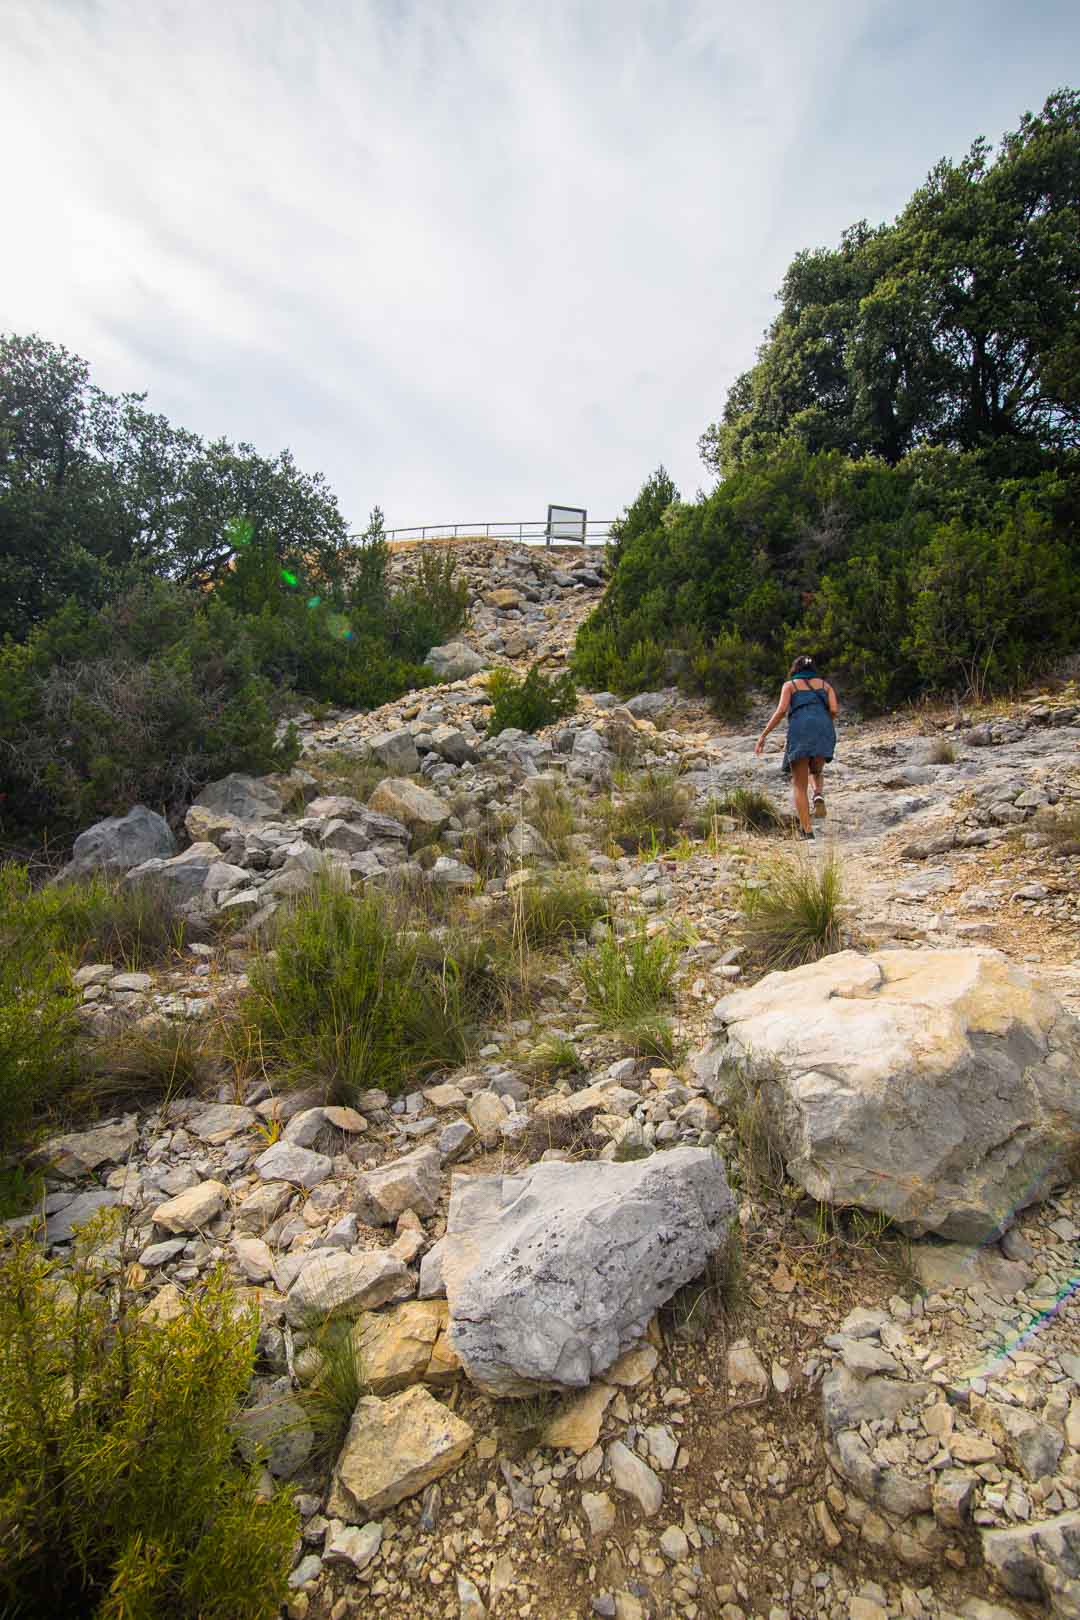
805	662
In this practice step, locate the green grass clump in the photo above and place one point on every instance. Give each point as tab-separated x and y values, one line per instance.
38	1021
120	1495
554	1055
942	752
652	814
553	911
551	812
627	982
750	808
795	916
96	919
346	1000
145	1063
529	703
331	1398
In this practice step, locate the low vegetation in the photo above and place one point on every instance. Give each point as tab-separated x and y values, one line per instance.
1061	828
550	809
529	702
38	1021
144	1064
119	1490
555	910
650	815
792	912
347	999
330	1399
750	808
628	981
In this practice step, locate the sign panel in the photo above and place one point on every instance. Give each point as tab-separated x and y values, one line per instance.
566	523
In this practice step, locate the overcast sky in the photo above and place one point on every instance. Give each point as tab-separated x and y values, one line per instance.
468	256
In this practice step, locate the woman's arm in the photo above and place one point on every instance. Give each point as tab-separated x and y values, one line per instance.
776	717
834	707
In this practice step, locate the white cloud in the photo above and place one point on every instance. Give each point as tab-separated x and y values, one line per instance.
462	255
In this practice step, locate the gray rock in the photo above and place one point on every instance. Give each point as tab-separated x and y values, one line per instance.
454	661
432	1281
60	1227
80	1152
396	750
411	1182
235	798
192	1209
354	1545
933	1086
184	877
456	1140
877	1483
635	1478
552	1273
450	874
413	806
651	705
275	1429
222	1121
451	743
847	1400
335	1284
120	842
284	1161
1040	1562
262	1206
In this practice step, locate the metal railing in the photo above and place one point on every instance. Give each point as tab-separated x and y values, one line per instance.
597	532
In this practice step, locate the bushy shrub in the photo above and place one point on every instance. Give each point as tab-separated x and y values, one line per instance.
348	1000
119	1493
556	910
936	573
628	980
528	703
723	673
651	814
38	1022
98	919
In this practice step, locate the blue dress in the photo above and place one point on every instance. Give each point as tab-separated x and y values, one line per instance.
810	730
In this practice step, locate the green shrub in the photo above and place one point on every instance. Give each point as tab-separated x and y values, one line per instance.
651	814
38	1022
347	1000
99	920
752	809
724	671
556	910
551	811
330	1399
627	981
119	1493
795	914
529	703
146	1064
554	1055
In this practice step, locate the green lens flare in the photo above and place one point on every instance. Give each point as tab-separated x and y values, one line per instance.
290	579
313	601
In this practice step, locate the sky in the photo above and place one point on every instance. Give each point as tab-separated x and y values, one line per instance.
468	257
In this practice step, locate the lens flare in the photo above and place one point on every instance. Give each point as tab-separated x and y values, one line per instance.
290	579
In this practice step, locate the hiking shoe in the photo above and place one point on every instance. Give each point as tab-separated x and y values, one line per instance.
806	835
819	806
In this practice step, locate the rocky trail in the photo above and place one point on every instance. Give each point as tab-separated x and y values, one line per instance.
846	1419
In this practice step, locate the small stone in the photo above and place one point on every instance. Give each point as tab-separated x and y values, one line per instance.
284	1161
192	1209
470	1604
599	1509
355	1546
336	1284
635	1478
634	1367
395	1448
577	1426
674	1545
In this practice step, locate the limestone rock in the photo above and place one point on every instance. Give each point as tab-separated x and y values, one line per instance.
486	1112
355	1545
60	1227
183	878
396	750
635	1478
394	1448
411	1182
235	798
336	1284
934	1086
193	1209
284	1161
221	1122
416	807
262	1206
396	1347
120	842
1039	1562
577	1426
552	1273
80	1152
454	661
599	1509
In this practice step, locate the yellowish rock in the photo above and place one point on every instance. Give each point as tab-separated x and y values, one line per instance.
633	1367
165	1306
395	1347
394	1448
577	1426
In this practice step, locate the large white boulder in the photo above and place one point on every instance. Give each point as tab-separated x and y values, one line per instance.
553	1273
941	1088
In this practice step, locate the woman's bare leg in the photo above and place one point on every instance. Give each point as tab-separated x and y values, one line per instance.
817	777
800	776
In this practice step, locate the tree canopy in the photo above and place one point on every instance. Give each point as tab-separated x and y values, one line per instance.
94	487
957	325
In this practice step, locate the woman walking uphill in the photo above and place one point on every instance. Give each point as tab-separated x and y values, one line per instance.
811	707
